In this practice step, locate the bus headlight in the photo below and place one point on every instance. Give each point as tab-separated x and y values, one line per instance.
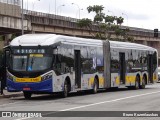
47	76
10	77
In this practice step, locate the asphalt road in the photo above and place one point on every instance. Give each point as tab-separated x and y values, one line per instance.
113	100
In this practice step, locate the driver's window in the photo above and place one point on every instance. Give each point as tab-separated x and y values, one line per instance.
7	58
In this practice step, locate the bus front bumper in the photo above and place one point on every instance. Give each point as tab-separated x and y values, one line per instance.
43	86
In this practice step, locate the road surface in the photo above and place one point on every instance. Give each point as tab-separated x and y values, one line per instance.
113	100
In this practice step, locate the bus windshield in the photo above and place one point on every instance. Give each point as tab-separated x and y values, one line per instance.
32	62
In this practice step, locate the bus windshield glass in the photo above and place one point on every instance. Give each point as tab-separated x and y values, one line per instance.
31	62
19	63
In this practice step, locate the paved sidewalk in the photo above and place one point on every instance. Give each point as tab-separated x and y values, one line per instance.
7	94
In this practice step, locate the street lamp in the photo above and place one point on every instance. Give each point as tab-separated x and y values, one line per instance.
33	5
22	19
126	16
77	12
55	6
22	15
60	7
78	8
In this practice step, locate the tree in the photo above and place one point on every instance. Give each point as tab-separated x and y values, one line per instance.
119	20
95	8
1	38
106	25
85	23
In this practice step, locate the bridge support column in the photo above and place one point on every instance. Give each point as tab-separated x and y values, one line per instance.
33	32
7	39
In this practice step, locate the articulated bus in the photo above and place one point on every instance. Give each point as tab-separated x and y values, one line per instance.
49	63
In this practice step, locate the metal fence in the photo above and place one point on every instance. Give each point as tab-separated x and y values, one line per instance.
46	15
62	21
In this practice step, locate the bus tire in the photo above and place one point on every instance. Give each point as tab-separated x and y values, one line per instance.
95	86
143	83
27	95
65	91
130	87
137	83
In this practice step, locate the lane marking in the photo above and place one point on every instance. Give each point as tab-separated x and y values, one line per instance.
9	104
93	104
115	100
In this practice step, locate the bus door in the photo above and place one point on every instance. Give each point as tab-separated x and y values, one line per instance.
150	68
122	67
77	67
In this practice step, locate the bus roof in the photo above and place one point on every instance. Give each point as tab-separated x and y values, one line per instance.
128	45
50	39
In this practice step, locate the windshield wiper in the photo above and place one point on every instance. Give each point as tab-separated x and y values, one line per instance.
32	62
22	63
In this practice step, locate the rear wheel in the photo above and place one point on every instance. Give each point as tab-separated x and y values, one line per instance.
95	86
27	95
143	83
137	83
130	87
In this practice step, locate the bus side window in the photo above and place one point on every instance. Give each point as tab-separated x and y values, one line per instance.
154	61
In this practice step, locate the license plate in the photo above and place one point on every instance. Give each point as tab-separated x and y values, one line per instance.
38	79
26	88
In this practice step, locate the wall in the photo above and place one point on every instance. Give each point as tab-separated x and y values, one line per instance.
10	8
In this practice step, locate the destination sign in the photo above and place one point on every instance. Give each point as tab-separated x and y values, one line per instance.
25	51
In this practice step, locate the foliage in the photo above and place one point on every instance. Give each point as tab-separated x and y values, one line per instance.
119	20
106	25
85	22
1	51
1	38
13	36
109	19
95	8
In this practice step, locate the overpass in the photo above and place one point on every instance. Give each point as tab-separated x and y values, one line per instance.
37	22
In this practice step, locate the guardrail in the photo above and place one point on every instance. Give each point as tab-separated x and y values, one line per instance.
62	21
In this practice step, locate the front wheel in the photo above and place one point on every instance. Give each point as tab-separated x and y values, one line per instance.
27	95
65	91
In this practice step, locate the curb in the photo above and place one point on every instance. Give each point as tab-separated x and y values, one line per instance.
11	95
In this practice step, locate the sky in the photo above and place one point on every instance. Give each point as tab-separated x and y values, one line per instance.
136	13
